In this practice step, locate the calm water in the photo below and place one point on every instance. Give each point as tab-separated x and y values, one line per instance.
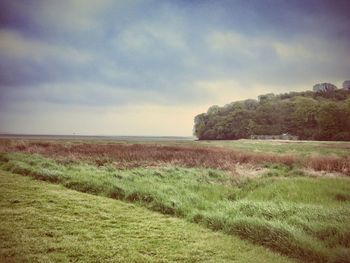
92	137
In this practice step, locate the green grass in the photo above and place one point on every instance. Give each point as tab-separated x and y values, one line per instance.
325	191
299	148
284	210
43	222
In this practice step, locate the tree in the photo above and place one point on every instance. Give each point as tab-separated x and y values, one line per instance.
310	115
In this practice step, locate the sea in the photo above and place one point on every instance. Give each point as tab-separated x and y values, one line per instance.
97	137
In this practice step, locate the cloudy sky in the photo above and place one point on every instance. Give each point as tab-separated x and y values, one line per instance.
144	67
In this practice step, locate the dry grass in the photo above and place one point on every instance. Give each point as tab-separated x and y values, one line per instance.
329	164
145	155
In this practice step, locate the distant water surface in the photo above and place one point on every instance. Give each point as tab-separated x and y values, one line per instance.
97	137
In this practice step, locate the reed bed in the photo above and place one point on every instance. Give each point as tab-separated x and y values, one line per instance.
144	155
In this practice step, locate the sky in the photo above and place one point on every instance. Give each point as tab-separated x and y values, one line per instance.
143	67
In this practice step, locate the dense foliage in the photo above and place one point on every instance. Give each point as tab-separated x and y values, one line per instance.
308	115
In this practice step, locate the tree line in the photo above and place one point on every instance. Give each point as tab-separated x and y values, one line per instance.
308	115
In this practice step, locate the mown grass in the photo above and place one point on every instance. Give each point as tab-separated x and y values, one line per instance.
43	222
284	210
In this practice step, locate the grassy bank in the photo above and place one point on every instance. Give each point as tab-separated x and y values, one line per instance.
43	222
284	210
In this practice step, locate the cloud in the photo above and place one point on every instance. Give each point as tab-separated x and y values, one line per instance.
270	60
16	46
224	91
133	59
25	60
253	47
76	93
293	52
143	38
95	95
73	14
233	43
144	119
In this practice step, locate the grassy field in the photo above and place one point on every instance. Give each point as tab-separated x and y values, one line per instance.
300	148
270	201
42	222
126	155
281	147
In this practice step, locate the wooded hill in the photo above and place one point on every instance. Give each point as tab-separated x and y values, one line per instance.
309	115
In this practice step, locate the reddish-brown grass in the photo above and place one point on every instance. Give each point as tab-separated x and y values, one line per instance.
133	155
329	164
147	154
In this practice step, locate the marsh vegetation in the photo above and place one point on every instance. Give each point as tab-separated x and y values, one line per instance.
293	203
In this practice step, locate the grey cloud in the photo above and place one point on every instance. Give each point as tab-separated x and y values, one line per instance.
110	53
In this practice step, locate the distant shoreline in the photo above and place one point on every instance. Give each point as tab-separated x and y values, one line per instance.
98	137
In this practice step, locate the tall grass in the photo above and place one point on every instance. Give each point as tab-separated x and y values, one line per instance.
142	155
302	217
330	163
47	223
